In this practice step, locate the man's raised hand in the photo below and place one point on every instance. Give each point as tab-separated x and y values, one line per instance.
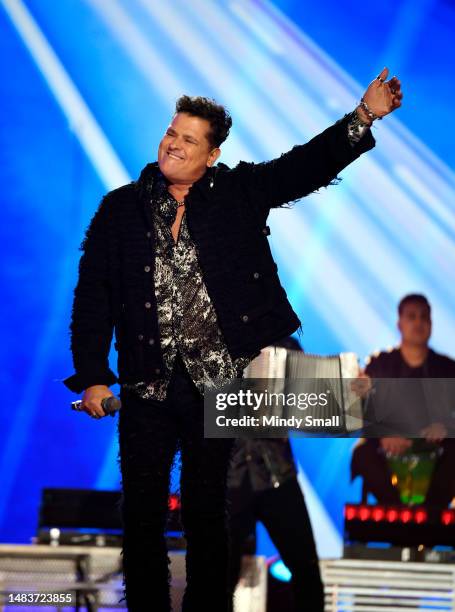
382	97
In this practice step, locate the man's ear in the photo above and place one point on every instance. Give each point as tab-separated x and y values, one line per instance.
213	156
399	326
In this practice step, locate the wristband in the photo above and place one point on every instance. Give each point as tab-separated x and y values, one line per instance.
368	111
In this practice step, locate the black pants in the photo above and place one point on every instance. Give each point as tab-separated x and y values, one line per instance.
150	434
370	462
284	514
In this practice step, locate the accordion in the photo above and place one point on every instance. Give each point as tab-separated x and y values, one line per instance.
289	371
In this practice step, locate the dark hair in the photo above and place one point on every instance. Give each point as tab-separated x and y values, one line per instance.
206	108
413	298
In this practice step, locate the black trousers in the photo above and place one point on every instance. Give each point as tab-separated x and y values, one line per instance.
284	514
150	433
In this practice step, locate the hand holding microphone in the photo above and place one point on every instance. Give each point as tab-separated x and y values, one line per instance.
97	402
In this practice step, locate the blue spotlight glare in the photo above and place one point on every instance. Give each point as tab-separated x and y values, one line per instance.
279	571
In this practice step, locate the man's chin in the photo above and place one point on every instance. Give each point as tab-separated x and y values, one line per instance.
176	175
172	177
419	342
170	173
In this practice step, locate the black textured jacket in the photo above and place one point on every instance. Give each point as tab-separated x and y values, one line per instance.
226	213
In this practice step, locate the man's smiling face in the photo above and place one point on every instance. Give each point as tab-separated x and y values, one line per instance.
185	151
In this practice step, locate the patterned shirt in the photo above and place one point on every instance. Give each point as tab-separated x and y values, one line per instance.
186	316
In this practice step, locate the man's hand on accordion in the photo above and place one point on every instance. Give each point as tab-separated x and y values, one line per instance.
362	385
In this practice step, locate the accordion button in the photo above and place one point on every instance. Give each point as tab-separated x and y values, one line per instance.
245	318
256	275
147	268
148	305
140	337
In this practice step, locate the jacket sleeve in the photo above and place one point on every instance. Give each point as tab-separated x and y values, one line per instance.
92	319
303	169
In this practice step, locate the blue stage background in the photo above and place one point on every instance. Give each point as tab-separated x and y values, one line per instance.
87	89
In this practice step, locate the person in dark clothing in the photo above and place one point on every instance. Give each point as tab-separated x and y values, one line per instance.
178	264
263	486
412	359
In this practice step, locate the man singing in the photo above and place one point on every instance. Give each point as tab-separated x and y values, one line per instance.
178	264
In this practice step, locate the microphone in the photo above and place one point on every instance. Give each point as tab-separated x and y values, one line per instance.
110	405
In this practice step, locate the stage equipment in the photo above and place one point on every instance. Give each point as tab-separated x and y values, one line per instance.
361	585
90	517
407	533
92	575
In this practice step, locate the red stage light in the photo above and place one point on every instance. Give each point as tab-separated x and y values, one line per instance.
405	516
420	516
364	513
378	514
392	515
350	512
448	517
174	502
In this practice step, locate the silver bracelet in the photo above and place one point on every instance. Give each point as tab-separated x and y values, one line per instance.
368	111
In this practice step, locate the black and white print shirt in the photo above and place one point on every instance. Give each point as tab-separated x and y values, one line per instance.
186	316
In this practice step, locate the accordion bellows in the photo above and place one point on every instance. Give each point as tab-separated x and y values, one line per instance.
285	370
